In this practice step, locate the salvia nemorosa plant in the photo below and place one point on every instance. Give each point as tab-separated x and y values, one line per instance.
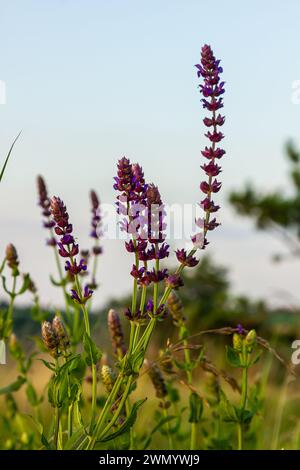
110	410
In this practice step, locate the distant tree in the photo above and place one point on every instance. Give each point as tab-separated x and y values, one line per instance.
277	211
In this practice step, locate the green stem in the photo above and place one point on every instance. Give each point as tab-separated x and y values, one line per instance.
243	398
170	439
119	409
12	299
194	433
106	409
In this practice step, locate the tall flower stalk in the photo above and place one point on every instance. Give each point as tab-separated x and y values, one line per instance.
49	224
133	192
69	250
95	233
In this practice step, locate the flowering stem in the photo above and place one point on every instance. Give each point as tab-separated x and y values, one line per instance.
244	355
105	410
88	332
60	273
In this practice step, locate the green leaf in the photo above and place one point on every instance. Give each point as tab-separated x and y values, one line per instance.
227	409
49	365
137	361
76	440
25	285
32	395
127	424
13	387
233	357
256	359
196	408
7	157
93	353
57	283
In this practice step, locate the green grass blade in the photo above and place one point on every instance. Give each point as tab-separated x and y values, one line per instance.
8	155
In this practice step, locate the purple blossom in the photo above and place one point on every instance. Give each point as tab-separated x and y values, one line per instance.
174	281
87	294
44	203
185	259
212	90
67	248
95	222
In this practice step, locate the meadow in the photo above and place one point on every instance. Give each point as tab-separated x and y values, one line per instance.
179	364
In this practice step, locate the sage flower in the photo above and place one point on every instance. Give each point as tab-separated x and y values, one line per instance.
212	90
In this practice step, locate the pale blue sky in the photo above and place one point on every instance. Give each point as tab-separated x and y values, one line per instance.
89	81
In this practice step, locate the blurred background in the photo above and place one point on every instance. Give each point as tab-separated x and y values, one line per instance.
88	82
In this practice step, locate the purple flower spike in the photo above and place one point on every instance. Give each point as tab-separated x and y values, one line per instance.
212	90
44	203
96	221
240	329
67	248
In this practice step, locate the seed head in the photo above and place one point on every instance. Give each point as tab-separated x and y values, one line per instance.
50	338
157	380
61	333
116	333
176	308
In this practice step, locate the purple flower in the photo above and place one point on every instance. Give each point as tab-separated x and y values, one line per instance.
240	329
185	259
87	294
44	203
174	281
161	311
96	221
67	248
212	90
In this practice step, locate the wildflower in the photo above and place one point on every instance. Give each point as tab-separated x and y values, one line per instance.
157	380
61	333
185	259
212	89
138	316
176	309
67	248
161	311
250	340
12	259
240	329
96	221
116	333
87	294
237	341
108	377
44	203
50	338
174	281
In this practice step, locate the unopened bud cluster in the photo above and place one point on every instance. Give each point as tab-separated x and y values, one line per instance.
55	337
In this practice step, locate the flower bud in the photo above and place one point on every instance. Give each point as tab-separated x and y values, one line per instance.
50	338
108	377
176	308
157	380
237	342
14	346
116	333
250	340
61	333
12	259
